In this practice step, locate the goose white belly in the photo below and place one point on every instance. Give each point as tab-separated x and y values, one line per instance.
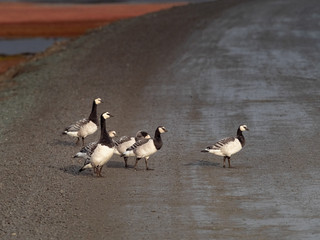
123	147
145	150
72	133
101	155
87	129
228	149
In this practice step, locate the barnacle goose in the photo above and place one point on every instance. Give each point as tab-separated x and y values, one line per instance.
86	151
85	126
103	151
125	142
228	146
144	148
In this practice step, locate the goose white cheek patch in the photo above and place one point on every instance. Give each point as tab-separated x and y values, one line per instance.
98	101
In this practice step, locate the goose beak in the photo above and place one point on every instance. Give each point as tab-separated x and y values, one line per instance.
247	129
110	115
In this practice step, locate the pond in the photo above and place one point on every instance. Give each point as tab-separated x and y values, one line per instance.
26	45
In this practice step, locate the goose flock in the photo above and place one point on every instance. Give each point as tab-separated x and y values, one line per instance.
97	154
142	145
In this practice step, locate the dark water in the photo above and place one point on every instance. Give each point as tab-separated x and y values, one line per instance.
25	45
34	45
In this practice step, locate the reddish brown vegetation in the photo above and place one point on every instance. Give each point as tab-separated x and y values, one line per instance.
18	20
29	20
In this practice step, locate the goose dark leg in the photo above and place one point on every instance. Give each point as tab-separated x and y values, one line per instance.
224	162
95	169
99	171
125	162
83	141
229	162
77	142
135	165
146	161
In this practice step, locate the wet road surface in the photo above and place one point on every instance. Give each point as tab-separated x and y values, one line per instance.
201	71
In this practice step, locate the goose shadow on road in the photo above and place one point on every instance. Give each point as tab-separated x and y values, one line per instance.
203	163
74	169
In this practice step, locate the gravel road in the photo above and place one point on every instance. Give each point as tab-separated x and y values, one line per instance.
200	70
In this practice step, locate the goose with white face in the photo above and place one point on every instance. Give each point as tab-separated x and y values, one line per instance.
86	126
125	142
144	148
85	152
162	129
112	133
104	149
226	147
98	101
106	115
243	128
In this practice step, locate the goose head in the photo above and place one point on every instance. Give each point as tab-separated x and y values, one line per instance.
112	133
162	129
98	101
243	128
106	115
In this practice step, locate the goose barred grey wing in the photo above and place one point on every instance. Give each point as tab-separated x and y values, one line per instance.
138	143
122	140
222	142
89	148
86	151
76	126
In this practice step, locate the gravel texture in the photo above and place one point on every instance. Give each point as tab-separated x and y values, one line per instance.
200	70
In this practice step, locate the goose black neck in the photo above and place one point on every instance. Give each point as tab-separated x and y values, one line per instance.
241	137
157	139
105	139
93	115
